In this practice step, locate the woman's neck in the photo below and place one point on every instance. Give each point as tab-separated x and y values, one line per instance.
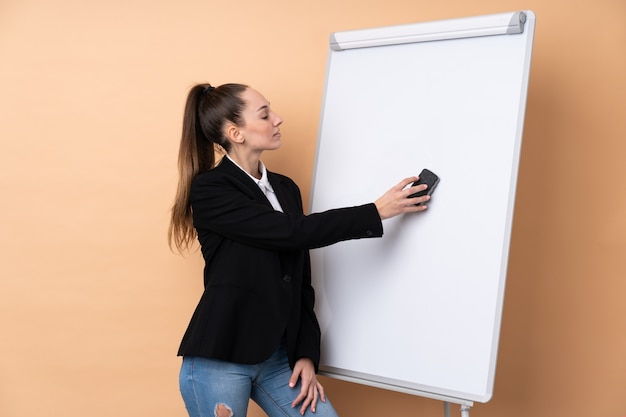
250	163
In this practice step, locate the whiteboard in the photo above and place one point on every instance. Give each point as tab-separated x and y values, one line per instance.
419	310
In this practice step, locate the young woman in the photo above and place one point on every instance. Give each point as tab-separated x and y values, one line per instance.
254	334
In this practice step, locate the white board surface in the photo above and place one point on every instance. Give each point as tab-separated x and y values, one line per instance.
419	310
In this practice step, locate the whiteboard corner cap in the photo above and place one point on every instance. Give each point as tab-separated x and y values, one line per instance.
334	44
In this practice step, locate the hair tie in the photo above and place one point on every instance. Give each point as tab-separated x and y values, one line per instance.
208	89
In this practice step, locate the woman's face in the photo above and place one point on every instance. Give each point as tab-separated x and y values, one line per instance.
260	124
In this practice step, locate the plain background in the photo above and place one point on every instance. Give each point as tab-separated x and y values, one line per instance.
92	302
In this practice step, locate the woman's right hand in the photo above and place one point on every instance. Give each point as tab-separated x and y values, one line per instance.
396	201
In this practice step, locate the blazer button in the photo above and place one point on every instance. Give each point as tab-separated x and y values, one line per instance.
287	278
369	233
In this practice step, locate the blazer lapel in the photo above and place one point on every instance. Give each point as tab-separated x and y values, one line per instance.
284	196
227	166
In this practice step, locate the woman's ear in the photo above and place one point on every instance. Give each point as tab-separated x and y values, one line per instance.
233	133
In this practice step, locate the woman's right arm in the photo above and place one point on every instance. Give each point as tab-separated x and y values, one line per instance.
225	207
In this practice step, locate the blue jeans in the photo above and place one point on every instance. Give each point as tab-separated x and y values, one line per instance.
213	388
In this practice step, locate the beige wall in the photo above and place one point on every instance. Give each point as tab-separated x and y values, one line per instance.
93	304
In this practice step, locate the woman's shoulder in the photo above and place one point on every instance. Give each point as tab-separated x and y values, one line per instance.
276	178
279	177
223	171
208	178
214	183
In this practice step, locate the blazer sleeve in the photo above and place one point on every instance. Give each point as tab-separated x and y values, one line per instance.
228	207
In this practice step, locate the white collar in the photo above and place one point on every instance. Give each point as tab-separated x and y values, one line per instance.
264	182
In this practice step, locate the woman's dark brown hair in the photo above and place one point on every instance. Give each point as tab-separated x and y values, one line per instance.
207	109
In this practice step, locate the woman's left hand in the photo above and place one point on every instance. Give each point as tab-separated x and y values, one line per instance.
311	390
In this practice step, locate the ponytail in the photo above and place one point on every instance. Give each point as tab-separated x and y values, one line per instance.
206	111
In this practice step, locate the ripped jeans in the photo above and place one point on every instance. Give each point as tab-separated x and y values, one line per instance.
213	388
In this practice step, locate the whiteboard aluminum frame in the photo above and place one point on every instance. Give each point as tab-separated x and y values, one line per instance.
496	24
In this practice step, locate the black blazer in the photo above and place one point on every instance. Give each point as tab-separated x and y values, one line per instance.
257	274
